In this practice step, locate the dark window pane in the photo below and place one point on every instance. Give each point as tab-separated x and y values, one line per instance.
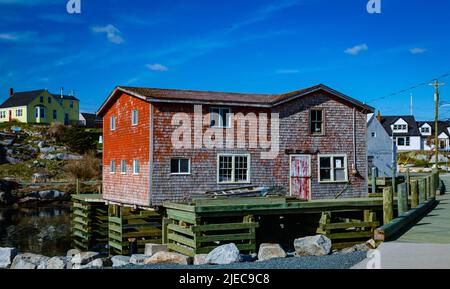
325	174
184	166
174	166
325	162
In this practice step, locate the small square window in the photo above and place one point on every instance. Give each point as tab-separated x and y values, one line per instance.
220	117
180	166
374	134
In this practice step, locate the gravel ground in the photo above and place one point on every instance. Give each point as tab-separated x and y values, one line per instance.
335	261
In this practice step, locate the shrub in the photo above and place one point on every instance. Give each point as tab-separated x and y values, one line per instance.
88	168
77	139
57	131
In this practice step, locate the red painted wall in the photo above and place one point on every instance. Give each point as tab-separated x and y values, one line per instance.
127	142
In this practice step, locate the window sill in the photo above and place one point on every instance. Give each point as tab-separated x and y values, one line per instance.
334	182
233	183
123	173
180	174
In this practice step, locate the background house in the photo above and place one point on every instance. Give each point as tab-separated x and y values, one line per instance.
90	120
381	153
404	131
427	129
39	106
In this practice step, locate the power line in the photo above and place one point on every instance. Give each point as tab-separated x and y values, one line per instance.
410	88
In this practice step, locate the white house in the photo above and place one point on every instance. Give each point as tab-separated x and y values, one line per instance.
427	130
404	131
381	152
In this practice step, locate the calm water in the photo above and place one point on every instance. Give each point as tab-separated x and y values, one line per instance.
40	230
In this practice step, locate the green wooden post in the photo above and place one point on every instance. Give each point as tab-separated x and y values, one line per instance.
414	194
374	180
388	209
78	186
165	223
422	191
402	199
433	186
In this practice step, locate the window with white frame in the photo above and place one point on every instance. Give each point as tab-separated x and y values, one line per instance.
112	122
374	134
134	117
18	112
2	114
135	167
398	127
112	166
180	166
123	166
403	141
425	129
233	168
220	117
316	121
39	112
333	168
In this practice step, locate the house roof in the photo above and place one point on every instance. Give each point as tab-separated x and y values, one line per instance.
25	97
442	126
413	129
89	116
21	98
226	98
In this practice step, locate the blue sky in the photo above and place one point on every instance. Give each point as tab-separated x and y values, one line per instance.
235	45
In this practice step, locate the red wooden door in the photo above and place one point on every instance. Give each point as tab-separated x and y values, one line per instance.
10	115
300	176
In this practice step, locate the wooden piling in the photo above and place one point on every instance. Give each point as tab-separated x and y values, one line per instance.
414	194
374	180
408	182
388	209
432	186
402	199
427	188
422	191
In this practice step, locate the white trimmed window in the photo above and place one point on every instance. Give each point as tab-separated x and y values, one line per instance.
2	114
233	168
333	168
112	166
19	113
112	122
123	166
135	167
180	166
220	117
134	117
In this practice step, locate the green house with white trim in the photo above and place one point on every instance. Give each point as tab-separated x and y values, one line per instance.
40	106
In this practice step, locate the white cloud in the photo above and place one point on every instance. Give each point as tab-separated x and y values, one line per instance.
157	67
355	50
17	36
112	33
287	71
417	50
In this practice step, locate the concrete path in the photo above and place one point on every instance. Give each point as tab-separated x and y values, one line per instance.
425	246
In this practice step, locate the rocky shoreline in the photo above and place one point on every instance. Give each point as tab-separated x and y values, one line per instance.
158	255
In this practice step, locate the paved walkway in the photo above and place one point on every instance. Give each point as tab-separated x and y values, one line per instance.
425	246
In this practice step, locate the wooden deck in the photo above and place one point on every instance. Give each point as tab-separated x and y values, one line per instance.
433	228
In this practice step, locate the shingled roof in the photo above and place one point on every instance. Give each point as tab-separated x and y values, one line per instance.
226	98
25	97
413	129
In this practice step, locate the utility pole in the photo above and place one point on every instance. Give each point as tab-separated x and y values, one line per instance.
436	85
411	104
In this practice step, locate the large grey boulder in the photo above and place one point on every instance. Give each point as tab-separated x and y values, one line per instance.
167	257
51	194
269	251
84	258
7	256
151	248
58	262
138	259
12	160
225	254
68	157
28	261
97	263
47	150
318	245
48	157
119	260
